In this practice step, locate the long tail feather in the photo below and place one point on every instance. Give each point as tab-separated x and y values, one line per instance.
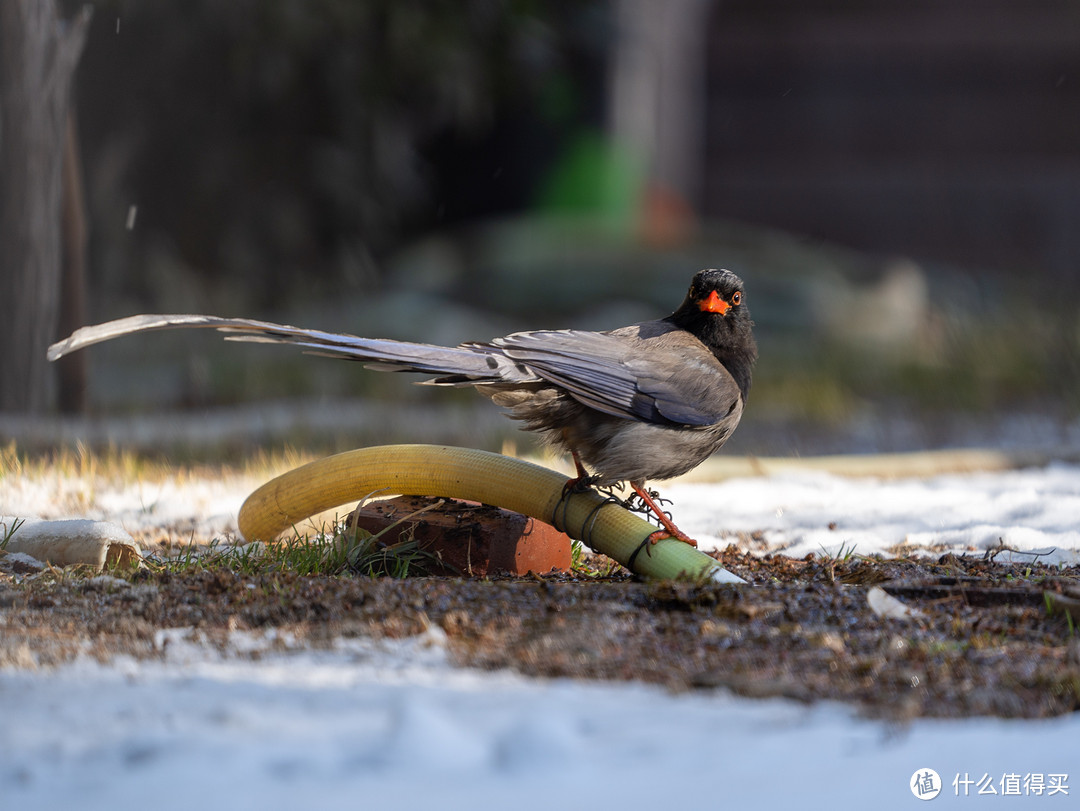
479	362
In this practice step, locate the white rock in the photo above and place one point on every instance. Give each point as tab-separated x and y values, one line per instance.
80	540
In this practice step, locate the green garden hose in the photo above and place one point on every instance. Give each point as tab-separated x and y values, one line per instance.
462	473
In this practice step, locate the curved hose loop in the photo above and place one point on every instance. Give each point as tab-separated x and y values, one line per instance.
474	475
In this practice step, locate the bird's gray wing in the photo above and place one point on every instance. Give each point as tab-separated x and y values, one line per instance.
474	362
668	380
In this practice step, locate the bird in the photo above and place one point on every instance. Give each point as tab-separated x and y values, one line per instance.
645	402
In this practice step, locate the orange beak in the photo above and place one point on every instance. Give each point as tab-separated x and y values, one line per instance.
714	304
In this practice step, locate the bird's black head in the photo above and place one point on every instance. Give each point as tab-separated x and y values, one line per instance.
715	312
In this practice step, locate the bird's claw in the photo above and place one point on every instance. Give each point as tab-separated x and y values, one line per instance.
580	484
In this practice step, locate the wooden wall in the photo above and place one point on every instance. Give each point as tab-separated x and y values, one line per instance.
944	130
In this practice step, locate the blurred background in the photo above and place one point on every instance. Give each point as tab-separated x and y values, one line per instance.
897	183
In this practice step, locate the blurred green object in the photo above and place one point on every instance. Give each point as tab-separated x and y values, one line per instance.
595	177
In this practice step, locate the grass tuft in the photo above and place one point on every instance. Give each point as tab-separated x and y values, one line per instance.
6	532
336	550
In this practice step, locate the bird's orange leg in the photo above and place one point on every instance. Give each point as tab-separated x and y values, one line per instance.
582	473
669	529
583	480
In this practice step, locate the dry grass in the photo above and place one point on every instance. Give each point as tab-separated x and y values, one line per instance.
118	466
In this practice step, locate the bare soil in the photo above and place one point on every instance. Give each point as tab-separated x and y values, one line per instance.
992	639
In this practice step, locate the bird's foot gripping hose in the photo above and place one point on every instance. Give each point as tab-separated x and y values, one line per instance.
435	470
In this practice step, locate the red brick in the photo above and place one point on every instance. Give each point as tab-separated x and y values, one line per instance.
473	540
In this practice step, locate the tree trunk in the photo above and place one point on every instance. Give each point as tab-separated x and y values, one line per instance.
38	55
658	90
71	370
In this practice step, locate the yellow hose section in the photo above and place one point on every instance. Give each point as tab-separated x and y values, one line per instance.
474	475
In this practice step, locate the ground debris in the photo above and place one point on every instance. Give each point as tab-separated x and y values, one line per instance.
983	638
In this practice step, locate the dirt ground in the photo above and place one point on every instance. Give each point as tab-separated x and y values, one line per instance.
988	638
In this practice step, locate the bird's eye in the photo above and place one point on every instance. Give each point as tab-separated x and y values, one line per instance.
736	298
